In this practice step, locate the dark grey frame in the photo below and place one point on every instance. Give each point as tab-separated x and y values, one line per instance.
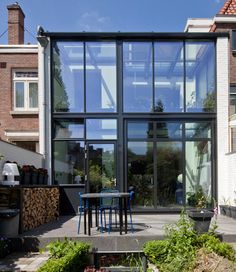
121	143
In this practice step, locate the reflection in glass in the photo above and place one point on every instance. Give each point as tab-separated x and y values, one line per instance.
232	103
101	167
140	130
69	162
20	94
200	76
72	128
169	171
140	173
198	130
169	130
169	76
101	77
198	170
68	79
137	77
33	94
105	129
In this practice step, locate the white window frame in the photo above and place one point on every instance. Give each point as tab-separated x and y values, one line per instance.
26	81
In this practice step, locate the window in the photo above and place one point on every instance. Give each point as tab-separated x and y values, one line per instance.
232	104
234	40
200	76
25	91
233	139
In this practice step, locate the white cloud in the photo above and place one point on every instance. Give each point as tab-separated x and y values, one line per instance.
92	21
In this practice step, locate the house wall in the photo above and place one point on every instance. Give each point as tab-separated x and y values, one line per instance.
8	120
224	185
227	27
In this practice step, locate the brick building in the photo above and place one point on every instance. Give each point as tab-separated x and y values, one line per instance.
19	85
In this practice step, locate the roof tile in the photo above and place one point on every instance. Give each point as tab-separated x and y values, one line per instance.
229	8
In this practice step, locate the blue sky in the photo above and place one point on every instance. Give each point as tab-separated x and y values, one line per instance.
108	15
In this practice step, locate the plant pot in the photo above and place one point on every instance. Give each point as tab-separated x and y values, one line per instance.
27	178
41	178
223	209
201	220
233	211
34	178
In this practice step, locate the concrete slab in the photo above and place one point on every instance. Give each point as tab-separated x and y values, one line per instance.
146	227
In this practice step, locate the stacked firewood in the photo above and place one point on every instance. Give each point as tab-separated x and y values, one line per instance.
39	206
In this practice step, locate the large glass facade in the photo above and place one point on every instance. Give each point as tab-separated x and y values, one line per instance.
135	114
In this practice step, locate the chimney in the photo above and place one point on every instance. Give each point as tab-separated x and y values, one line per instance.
15	24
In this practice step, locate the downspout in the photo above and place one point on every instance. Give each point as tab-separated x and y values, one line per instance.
42	44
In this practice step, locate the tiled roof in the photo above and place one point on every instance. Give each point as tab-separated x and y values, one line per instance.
229	8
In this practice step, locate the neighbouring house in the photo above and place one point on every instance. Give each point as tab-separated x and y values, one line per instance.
224	21
19	85
147	111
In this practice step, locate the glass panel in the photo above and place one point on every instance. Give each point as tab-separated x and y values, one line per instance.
19	93
169	130
101	167
233	139
101	77
200	77
33	95
137	77
198	171
101	129
140	173
72	128
69	162
68	72
232	106
233	40
26	74
198	130
169	174
140	130
169	76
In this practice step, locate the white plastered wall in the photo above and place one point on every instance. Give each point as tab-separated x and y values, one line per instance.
45	106
222	118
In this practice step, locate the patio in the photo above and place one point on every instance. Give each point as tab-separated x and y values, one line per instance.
146	227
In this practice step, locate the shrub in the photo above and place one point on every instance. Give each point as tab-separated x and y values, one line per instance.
213	244
66	256
178	251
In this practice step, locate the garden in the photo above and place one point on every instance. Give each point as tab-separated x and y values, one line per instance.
183	249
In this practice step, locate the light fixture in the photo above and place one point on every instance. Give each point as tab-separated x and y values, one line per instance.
10	170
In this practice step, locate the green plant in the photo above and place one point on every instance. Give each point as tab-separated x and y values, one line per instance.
178	251
213	244
66	256
198	199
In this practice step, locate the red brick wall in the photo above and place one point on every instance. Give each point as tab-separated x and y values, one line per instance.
15	25
223	27
7	120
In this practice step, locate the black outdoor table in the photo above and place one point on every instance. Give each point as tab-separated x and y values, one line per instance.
88	198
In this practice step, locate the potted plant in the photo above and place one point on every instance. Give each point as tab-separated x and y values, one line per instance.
199	214
225	209
26	175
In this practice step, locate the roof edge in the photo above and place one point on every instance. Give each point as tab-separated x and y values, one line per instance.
133	35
